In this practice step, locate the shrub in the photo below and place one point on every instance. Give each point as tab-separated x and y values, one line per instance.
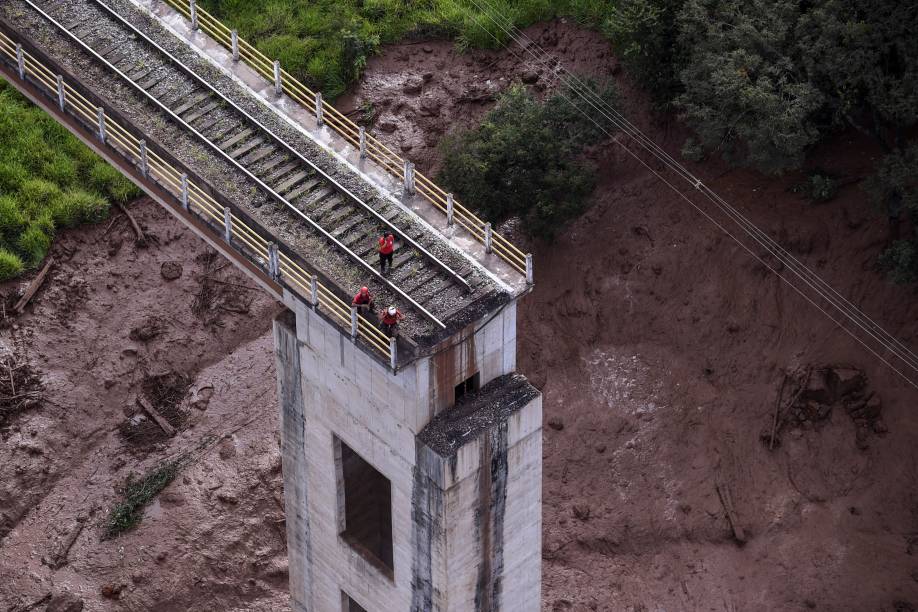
10	265
900	261
137	494
818	187
523	161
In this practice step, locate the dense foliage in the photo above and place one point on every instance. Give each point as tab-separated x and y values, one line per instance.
326	43
48	180
524	160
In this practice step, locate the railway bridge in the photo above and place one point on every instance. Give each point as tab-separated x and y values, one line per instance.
412	464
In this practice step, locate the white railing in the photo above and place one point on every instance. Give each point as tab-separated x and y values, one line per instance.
195	199
368	145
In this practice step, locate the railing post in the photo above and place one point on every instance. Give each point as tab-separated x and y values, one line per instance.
20	61
144	164
193	5
234	36
450	209
185	191
487	237
227	224
529	275
273	262
409	177
101	115
320	111
314	292
278	83
353	322
363	142
61	92
393	357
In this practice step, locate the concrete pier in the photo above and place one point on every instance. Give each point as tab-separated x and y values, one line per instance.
417	490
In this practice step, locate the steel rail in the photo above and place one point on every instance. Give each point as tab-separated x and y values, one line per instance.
284	144
248	173
84	113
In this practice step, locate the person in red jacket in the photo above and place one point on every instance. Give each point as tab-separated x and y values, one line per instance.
386	248
390	318
363	300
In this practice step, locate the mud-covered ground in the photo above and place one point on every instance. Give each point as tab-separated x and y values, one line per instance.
107	327
659	345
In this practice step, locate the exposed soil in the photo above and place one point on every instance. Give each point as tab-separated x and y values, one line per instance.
114	322
661	349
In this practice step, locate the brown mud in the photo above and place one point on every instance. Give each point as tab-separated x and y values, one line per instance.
660	347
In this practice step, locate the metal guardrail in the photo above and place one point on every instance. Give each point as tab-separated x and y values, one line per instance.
194	198
368	145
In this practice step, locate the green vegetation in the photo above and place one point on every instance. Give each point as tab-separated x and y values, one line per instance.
48	180
523	160
895	187
326	43
137	494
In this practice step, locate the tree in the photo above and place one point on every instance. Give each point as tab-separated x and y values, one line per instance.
745	95
643	33
863	56
523	160
895	186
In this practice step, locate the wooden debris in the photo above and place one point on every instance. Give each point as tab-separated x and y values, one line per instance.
34	286
774	423
35	604
58	558
141	237
726	500
156	416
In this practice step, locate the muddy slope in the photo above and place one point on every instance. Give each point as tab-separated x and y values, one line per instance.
180	328
661	347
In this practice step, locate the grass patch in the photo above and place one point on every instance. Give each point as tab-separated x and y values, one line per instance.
137	495
48	180
326	43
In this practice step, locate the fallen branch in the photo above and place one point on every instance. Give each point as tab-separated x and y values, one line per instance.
33	287
141	238
726	500
31	606
156	416
774	423
58	558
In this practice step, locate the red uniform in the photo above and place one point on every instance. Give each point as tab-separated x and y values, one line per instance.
362	297
386	246
388	319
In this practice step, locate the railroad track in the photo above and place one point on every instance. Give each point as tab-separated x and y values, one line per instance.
422	280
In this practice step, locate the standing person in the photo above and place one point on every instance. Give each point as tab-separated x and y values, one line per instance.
390	318
363	300
386	247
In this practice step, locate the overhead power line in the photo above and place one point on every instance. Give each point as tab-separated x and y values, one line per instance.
807	276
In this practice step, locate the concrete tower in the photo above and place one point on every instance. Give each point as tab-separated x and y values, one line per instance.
418	489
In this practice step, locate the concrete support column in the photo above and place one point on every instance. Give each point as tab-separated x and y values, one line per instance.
293	451
193	8
234	44
20	62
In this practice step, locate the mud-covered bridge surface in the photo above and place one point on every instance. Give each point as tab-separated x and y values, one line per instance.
300	194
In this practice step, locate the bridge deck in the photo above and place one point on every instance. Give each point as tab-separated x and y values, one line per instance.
317	208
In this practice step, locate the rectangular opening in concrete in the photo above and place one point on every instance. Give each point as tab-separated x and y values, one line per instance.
364	508
469	385
349	605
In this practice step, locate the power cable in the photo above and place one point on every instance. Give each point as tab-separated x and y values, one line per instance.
809	277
